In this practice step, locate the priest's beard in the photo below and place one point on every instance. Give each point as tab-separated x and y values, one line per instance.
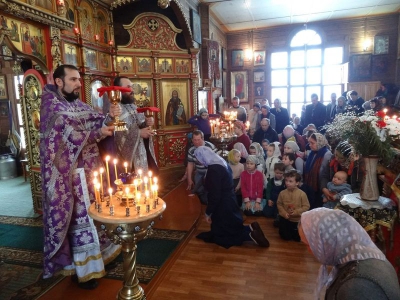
127	99
70	97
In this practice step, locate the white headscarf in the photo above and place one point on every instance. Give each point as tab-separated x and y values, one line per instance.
277	151
208	157
336	238
242	149
292	145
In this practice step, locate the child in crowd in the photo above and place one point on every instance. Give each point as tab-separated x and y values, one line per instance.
292	147
202	122
288	160
274	187
292	202
256	149
251	133
243	152
274	154
335	189
237	169
264	145
252	186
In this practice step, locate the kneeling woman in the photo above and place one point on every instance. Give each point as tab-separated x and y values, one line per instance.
223	212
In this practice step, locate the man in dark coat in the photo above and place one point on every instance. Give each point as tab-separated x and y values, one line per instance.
315	112
265	132
281	115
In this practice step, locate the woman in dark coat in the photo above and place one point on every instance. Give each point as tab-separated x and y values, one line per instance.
223	212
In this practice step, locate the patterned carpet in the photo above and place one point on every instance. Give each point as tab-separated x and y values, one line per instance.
21	268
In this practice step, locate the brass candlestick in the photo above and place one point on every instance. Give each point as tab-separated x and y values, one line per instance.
125	227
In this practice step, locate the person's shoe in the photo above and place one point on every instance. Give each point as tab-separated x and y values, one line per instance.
88	285
255	226
258	237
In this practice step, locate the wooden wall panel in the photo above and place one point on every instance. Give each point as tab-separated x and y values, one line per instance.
347	33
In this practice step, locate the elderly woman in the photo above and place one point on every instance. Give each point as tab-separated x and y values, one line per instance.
360	270
316	171
223	212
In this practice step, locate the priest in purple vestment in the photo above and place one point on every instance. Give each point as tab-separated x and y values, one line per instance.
69	132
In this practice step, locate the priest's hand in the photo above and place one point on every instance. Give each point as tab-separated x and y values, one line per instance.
107	130
146	132
115	110
150	121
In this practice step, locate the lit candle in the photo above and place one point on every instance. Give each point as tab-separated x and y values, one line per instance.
135	183
156	192
126	167
97	37
140	173
146	196
101	184
108	171
145	180
385	110
150	174
115	168
97	191
95	174
76	30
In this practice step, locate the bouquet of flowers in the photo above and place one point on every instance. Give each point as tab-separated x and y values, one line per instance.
371	133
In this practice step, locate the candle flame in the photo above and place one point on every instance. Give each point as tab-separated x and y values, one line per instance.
110	190
115	161
125	164
107	158
155	179
95	173
101	170
150	174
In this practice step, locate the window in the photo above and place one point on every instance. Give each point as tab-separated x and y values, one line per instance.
307	67
20	126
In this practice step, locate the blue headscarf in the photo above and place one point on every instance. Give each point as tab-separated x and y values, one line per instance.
208	157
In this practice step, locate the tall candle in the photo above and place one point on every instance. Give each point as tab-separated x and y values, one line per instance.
138	195
101	183
156	192
126	167
150	174
97	191
145	180
115	168
108	171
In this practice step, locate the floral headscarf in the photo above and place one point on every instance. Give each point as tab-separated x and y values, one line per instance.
208	157
242	149
321	140
259	153
336	238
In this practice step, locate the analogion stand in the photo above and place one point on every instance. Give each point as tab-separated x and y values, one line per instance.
127	227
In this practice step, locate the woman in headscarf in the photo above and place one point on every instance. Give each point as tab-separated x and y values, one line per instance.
341	105
316	171
223	212
243	152
360	270
345	160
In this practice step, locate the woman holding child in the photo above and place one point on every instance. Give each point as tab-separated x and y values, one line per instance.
223	212
316	171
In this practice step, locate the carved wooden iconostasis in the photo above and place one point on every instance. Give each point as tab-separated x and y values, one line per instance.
164	74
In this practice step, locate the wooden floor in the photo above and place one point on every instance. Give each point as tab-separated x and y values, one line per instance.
197	270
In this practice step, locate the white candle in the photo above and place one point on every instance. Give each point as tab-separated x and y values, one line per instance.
110	191
145	180
101	181
127	191
126	167
146	195
138	196
108	171
115	168
150	174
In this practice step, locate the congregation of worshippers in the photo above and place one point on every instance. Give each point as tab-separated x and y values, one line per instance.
282	164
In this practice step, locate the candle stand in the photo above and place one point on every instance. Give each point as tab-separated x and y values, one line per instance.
127	228
221	142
